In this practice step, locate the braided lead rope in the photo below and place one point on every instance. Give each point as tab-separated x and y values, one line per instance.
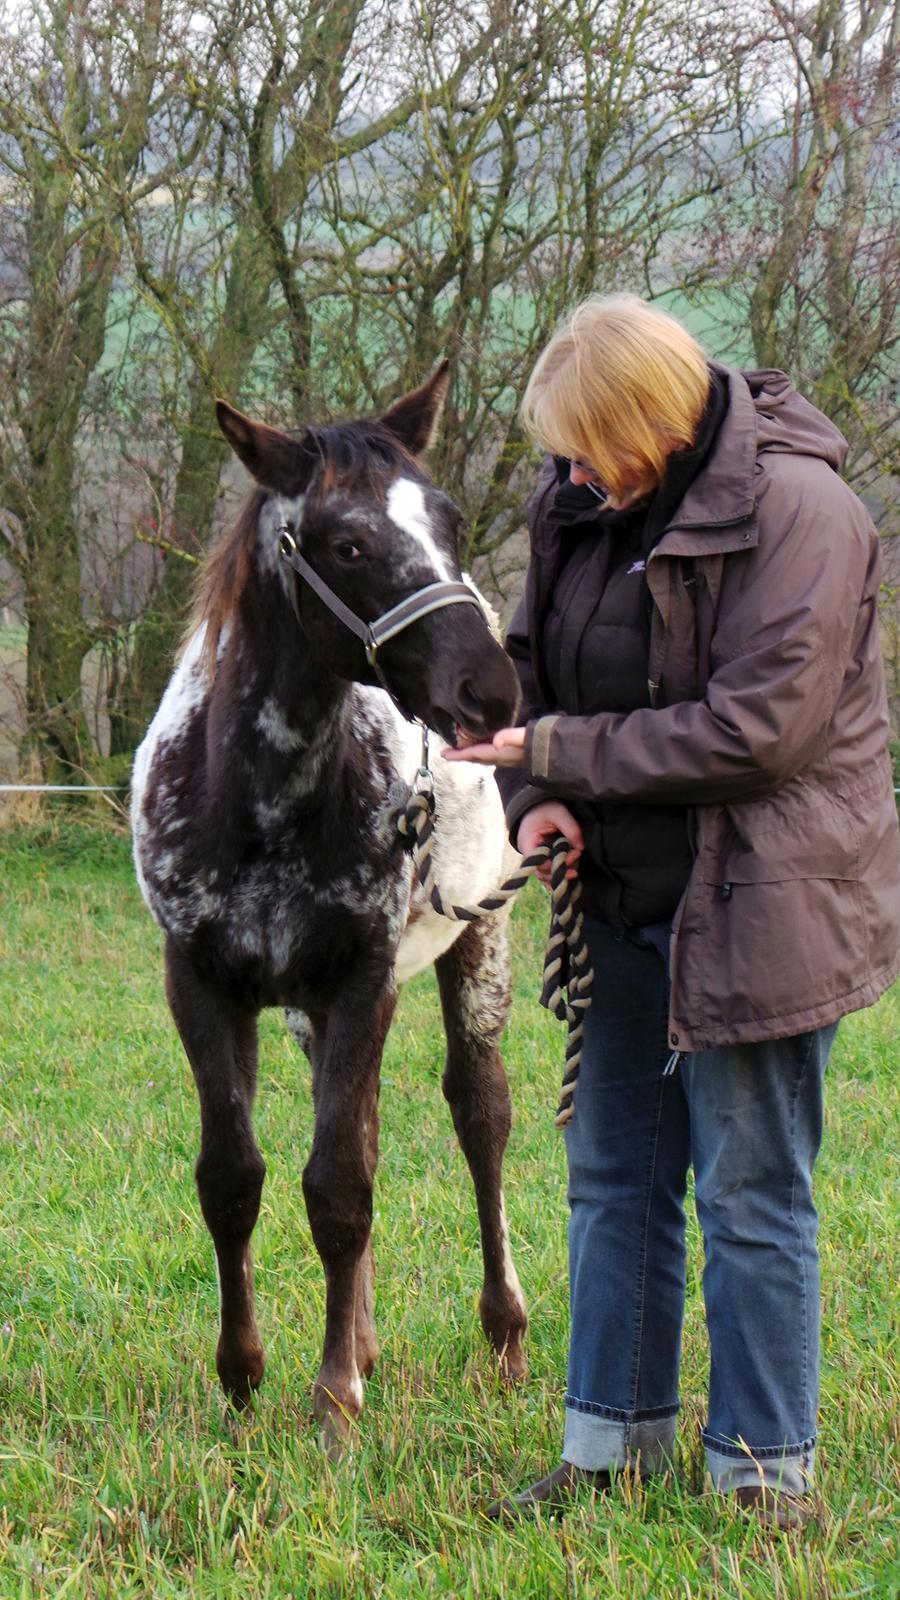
567	967
567	964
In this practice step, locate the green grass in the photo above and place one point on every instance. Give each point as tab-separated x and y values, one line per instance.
118	1474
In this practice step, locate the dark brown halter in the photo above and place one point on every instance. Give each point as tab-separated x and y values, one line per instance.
374	634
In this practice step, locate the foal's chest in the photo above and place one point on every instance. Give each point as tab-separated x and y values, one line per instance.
291	928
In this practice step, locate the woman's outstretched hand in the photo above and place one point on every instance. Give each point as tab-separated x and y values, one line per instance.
506	749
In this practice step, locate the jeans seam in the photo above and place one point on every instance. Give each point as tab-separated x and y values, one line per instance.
642	1265
797	1230
593	1408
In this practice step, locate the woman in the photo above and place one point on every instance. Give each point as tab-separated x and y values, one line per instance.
705	721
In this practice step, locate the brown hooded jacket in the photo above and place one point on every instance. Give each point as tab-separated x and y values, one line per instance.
768	717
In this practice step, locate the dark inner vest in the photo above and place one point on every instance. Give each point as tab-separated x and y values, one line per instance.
595	646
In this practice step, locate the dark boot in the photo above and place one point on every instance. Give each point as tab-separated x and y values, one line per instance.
775	1508
553	1494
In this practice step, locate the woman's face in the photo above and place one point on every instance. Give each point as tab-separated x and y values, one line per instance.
580	473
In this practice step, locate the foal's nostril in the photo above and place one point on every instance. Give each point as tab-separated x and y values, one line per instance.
485	692
470	701
483	707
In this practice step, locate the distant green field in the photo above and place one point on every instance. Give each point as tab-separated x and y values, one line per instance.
13	640
713	324
118	1477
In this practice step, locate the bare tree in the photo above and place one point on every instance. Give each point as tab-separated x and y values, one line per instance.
804	228
78	99
301	92
558	164
304	206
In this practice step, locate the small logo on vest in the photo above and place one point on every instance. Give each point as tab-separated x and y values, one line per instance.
636	566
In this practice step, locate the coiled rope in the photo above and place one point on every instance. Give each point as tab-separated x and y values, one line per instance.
568	974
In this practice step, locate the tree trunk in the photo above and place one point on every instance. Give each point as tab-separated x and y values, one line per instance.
162	622
58	638
244	322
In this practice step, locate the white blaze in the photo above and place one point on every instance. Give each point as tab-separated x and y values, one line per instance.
406	507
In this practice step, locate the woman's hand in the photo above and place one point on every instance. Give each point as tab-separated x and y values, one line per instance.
506	749
538	827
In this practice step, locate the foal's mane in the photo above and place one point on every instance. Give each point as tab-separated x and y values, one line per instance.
223	578
362	455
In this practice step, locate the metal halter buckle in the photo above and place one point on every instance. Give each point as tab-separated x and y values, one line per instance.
424	778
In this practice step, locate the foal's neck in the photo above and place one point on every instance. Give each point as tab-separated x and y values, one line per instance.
279	709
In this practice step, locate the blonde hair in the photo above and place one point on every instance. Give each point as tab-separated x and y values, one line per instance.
619	387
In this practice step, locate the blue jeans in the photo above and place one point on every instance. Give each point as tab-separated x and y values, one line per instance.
748	1118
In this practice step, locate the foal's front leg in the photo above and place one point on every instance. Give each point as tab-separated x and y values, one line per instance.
473	977
220	1041
303	1029
337	1185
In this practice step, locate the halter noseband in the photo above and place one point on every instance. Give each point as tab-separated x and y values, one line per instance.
432	597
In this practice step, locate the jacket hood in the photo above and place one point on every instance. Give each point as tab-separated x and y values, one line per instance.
765	416
789	424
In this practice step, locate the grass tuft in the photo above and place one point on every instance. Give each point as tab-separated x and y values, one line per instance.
120	1474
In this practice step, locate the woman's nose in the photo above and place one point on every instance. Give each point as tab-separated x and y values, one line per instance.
578	475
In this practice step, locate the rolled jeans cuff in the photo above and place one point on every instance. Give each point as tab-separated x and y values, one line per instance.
598	1443
791	1469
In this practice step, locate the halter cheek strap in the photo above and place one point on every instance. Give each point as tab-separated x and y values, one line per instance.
433	597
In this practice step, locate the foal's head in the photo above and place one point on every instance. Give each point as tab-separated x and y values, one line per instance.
365	515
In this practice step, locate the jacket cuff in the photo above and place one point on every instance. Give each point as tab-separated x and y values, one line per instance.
522	801
537	746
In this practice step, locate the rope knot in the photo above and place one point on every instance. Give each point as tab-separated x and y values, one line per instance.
415	821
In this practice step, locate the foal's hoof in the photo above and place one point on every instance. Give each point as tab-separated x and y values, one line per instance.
240	1372
505	1322
513	1363
334	1438
336	1421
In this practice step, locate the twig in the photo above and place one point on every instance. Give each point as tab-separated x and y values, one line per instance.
166	547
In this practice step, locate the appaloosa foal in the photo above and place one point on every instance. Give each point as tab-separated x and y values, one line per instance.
265	797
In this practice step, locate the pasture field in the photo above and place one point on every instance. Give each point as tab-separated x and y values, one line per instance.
118	1474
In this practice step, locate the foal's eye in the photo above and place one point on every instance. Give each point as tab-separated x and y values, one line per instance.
347	550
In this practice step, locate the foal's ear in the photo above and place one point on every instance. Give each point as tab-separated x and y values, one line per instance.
273	458
414	419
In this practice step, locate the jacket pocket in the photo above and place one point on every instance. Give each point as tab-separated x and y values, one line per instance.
784	908
797	833
783	949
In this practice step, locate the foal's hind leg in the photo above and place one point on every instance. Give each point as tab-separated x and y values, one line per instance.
220	1042
473	976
